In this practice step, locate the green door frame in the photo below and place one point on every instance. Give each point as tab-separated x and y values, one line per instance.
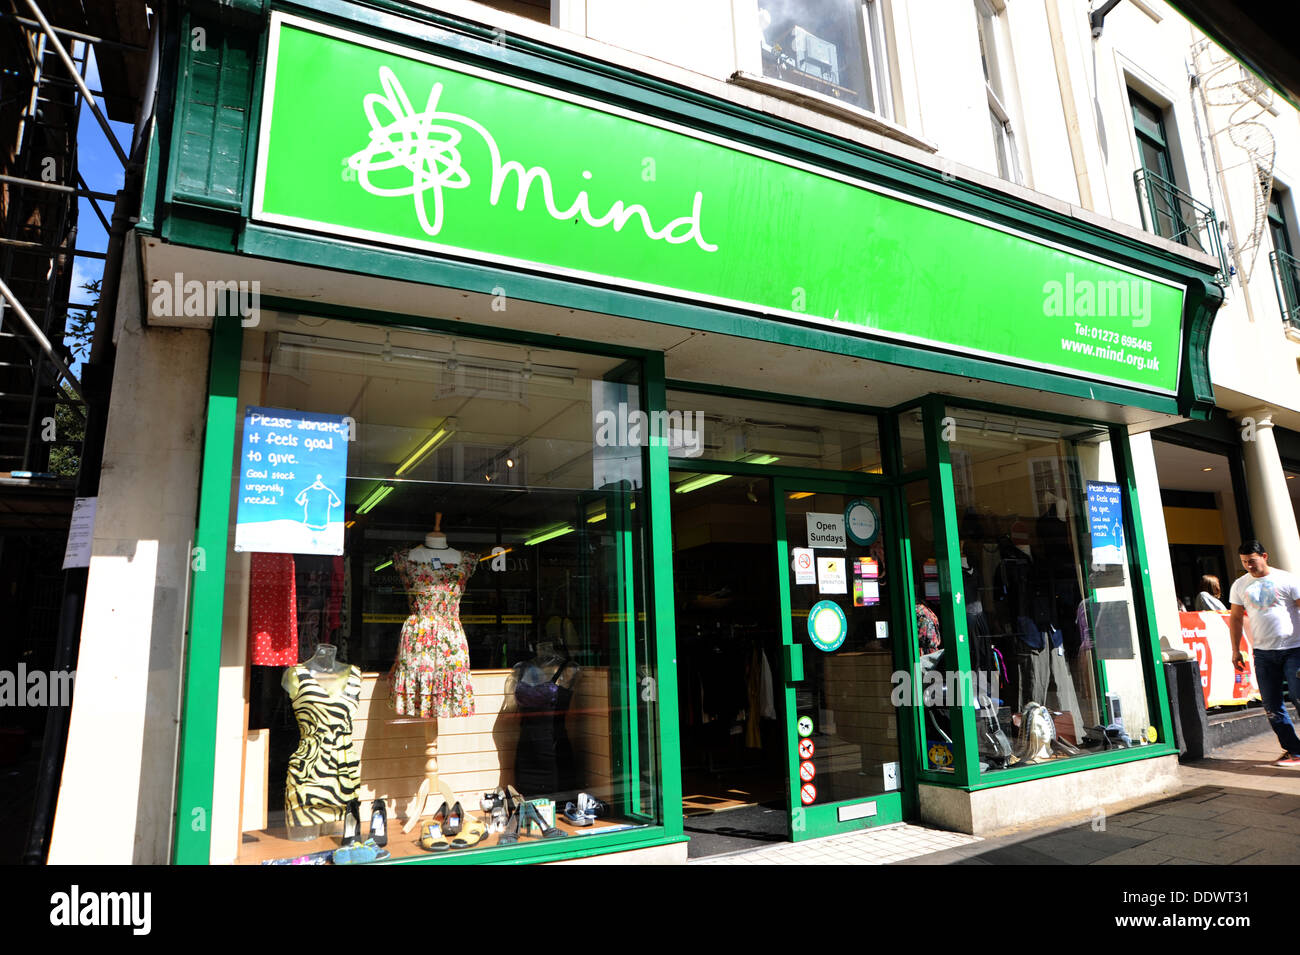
811	822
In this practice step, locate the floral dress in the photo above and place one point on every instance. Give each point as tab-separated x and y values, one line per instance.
431	677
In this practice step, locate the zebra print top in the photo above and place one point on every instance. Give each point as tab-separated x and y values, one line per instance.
323	772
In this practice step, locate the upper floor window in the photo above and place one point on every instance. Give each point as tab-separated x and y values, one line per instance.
833	47
995	85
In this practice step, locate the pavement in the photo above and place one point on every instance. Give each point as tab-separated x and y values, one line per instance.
1232	808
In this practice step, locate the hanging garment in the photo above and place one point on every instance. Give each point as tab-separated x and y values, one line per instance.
769	700
323	772
431	677
754	706
272	611
544	764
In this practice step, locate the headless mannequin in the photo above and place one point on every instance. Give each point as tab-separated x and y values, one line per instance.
435	550
330	672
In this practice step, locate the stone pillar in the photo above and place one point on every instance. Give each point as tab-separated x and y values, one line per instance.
1270	502
119	769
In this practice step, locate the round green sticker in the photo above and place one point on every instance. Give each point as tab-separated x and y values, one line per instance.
827	625
862	521
805	726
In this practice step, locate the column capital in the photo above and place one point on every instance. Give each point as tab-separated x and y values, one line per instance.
1262	415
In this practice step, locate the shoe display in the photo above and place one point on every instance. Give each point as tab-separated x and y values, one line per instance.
592	806
379	823
432	838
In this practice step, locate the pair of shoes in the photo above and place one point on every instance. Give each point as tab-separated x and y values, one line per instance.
450	820
359	853
514	804
379	823
529	815
591	806
1288	761
351	822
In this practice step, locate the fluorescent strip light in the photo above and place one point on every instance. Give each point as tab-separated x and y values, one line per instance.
387	563
695	483
759	459
550	535
597	517
800	495
369	503
419	454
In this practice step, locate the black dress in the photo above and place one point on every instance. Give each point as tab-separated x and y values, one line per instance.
544	758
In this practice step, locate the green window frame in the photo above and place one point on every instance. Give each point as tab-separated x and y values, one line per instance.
196	775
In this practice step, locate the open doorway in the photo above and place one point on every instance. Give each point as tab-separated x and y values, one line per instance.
734	760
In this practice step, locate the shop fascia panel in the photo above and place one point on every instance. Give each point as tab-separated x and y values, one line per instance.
919	183
459	298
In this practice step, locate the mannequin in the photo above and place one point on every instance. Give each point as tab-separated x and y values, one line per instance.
540	690
431	676
323	775
435	550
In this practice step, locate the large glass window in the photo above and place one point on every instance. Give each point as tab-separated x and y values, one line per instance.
720	428
833	47
447	602
1046	590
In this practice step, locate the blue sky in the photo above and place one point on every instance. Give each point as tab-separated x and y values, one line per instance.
103	173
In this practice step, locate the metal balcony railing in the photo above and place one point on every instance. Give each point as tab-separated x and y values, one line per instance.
1286	279
1173	214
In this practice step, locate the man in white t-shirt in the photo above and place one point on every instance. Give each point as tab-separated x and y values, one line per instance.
1272	599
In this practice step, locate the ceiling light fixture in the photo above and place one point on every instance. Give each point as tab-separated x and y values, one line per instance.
426	447
695	483
547	535
375	496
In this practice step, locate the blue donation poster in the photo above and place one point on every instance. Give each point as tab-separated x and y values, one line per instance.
1106	522
292	471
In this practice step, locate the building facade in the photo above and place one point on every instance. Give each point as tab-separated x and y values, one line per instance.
755	413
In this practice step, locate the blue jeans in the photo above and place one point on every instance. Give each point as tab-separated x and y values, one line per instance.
1272	668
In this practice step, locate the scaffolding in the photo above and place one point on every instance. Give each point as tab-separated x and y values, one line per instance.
43	95
1223	82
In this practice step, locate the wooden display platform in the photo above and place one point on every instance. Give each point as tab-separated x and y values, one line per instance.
265	845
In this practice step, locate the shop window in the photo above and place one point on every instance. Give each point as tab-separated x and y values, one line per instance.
736	430
836	48
1047	595
435	593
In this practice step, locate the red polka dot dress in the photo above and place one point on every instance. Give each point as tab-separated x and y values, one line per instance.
272	611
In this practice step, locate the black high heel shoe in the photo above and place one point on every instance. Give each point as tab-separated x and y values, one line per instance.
379	823
455	819
351	822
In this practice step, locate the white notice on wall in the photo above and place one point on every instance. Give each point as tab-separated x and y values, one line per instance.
80	533
891	776
831	576
825	530
805	571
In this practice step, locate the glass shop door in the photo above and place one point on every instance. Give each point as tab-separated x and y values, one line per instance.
843	593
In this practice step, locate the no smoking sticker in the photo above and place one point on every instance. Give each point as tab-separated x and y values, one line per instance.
806	749
807	771
808	793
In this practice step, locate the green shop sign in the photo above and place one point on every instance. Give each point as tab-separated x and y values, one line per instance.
383	143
